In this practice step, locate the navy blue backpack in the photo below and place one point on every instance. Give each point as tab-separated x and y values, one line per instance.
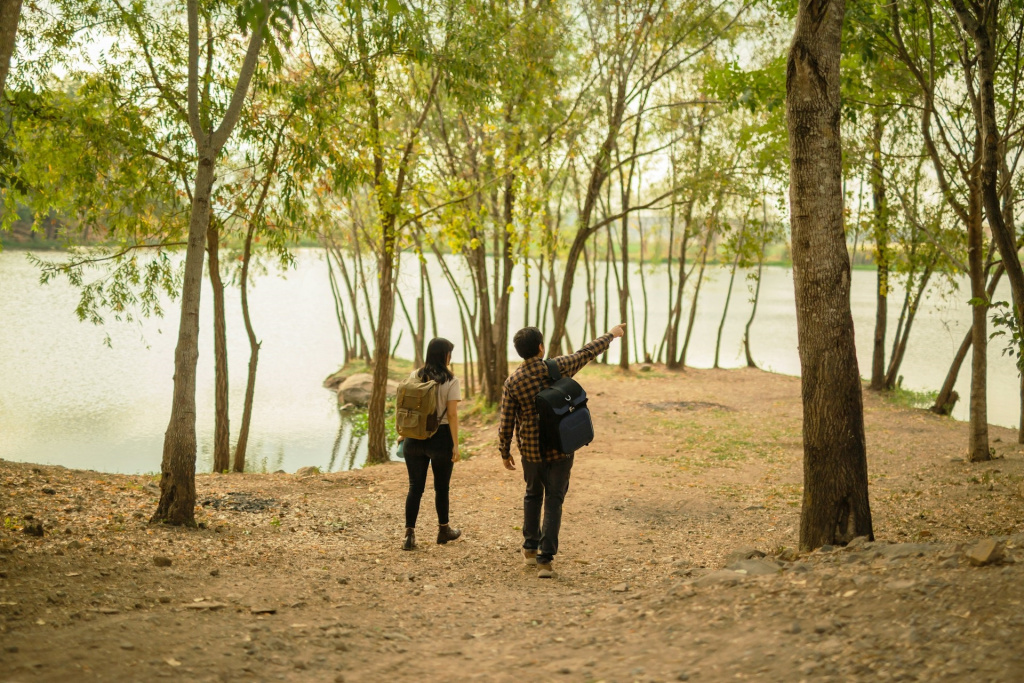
565	423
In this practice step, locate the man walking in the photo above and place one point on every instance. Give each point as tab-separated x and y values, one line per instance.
545	470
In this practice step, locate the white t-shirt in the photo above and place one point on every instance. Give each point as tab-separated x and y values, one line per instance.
449	391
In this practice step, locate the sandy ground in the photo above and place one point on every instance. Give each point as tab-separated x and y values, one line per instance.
302	579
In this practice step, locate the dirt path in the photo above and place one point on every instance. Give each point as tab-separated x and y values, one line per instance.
306	582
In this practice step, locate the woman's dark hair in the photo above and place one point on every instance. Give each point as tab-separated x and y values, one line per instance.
527	342
435	365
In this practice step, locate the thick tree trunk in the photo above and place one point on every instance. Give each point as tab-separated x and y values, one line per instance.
178	466
881	238
10	13
835	501
254	356
221	429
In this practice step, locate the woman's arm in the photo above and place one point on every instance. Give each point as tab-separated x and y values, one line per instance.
453	424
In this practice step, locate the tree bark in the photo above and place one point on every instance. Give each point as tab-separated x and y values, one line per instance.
881	238
900	342
725	308
254	355
178	466
221	429
10	13
977	443
835	501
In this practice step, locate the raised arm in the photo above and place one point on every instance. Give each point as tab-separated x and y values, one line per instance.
571	364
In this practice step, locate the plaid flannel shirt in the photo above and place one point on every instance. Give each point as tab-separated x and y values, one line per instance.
518	407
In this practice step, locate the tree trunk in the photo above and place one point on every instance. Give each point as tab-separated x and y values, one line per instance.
757	287
378	450
947	398
881	238
725	308
254	355
835	501
178	466
624	286
696	293
10	13
978	446
221	430
900	342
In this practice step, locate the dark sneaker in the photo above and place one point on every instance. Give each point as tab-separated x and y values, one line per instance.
544	570
445	533
410	540
530	555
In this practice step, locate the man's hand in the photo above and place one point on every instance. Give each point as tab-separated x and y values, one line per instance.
618	330
509	463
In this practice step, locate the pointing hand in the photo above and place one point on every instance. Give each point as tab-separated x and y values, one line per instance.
618	330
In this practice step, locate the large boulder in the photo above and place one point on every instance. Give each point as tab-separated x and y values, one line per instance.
356	389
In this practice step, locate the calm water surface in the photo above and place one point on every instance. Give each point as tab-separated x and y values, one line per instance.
66	398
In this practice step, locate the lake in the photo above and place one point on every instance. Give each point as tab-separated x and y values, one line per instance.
68	399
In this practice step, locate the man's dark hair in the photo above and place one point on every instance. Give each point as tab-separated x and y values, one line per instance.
527	342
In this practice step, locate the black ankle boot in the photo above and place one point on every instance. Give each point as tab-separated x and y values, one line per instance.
445	533
410	539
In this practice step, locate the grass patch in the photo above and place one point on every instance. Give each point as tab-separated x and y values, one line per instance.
908	398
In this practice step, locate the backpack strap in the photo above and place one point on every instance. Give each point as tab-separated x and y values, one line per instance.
553	372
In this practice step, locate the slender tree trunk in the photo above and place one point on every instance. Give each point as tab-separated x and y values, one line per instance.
221	430
254	355
881	238
624	288
757	287
696	292
10	13
643	291
900	342
725	308
978	446
835	502
378	450
178	466
947	398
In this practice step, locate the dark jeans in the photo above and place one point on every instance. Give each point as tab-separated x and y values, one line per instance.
546	486
418	466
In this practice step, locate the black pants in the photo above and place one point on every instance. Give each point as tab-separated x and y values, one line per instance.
546	486
421	456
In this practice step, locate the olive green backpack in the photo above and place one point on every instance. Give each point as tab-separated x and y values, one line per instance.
416	408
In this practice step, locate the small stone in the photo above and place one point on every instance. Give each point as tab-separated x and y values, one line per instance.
162	561
985	552
755	567
744	553
858	543
788	555
48	491
127	646
307	471
263	610
343	581
683	676
620	588
794	628
826	548
214	572
75	545
754	507
164	599
950	563
823	627
646	368
34	529
12	649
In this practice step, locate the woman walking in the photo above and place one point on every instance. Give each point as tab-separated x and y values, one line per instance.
438	453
